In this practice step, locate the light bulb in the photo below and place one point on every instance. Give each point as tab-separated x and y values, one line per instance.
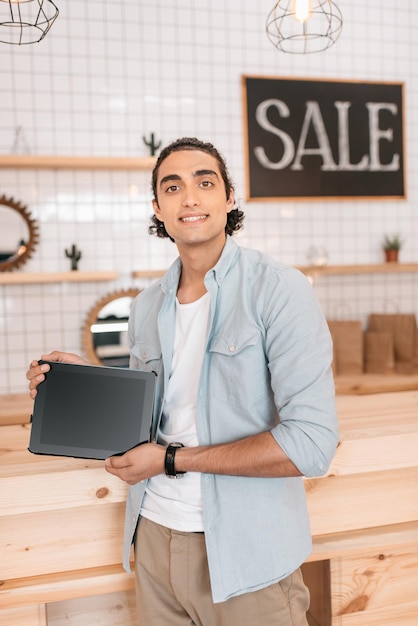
302	10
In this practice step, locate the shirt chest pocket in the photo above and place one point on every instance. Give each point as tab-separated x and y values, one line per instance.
230	346
237	361
147	356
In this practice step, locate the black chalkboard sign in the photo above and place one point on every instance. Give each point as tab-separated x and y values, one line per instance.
323	139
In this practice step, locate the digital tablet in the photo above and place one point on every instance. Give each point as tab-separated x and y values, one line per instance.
91	412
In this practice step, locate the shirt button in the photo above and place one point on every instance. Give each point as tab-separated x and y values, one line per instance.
232	348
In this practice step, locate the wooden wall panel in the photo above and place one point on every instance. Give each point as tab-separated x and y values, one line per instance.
58	586
374	583
386	452
34	615
16	460
56	541
60	490
364	541
405	615
345	503
115	609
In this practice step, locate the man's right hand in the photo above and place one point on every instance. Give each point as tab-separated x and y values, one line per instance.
36	372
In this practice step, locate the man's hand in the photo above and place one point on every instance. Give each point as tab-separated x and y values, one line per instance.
36	373
136	465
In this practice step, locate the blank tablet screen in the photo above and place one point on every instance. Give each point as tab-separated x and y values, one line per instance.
91	412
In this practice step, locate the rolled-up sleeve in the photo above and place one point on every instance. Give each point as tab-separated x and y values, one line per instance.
299	351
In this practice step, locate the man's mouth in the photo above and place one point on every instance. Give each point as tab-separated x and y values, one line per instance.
194	218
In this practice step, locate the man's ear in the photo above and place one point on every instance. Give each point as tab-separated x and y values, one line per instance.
156	209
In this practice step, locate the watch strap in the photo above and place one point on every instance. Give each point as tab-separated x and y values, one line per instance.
169	464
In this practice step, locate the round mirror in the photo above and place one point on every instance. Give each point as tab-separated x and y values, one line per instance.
105	332
18	234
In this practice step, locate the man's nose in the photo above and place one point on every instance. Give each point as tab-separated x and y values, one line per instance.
191	197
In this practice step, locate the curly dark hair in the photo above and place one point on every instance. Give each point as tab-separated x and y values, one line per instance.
235	217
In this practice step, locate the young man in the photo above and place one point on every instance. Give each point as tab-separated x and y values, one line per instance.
244	408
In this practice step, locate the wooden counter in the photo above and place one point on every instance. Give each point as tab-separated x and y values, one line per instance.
364	384
16	408
364	516
61	523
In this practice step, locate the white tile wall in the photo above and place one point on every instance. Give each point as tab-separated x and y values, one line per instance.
109	73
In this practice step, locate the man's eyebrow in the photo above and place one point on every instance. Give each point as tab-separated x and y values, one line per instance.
169	177
196	174
205	173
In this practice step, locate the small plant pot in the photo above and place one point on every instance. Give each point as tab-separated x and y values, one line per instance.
391	256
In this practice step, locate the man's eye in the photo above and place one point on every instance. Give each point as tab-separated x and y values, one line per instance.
172	188
206	183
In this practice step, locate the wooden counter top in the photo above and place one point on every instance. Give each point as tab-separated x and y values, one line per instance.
61	519
16	408
364	384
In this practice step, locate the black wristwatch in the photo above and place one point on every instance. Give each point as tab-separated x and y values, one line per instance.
170	454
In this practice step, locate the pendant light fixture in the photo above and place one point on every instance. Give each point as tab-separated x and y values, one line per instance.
304	26
26	21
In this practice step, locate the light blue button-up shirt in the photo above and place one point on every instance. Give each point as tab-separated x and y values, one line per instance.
267	367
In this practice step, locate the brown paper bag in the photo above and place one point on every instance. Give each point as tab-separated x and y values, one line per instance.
334	358
402	327
379	355
416	353
347	336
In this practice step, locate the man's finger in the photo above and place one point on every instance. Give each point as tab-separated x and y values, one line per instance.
116	462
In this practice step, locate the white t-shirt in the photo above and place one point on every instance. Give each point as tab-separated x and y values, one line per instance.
171	502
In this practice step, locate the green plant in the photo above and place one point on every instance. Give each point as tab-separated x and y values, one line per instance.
392	243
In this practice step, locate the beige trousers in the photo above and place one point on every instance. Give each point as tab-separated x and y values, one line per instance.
173	587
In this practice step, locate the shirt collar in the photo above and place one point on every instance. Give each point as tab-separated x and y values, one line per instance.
225	260
171	278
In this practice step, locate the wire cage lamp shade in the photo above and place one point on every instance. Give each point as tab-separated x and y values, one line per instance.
26	21
304	26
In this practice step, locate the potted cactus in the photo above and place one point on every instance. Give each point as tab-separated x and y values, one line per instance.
74	254
391	247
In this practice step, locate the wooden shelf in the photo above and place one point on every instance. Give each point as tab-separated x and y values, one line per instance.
323	270
45	162
378	268
20	278
148	273
26	278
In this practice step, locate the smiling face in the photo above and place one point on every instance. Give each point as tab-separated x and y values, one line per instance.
191	198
